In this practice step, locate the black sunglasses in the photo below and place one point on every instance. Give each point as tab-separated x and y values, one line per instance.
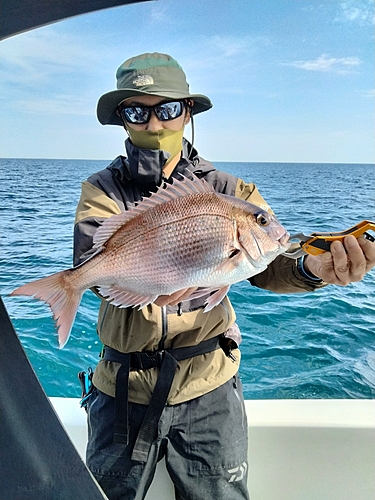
141	114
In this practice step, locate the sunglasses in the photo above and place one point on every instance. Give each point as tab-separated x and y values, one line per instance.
141	114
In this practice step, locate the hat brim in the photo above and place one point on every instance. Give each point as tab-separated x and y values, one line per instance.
107	104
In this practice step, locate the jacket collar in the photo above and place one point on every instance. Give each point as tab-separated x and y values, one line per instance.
146	166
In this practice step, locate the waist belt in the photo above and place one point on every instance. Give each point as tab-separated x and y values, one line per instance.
166	360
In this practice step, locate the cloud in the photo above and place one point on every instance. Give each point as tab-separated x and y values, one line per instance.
368	93
227	46
359	11
324	63
225	63
36	56
56	105
222	55
160	13
216	52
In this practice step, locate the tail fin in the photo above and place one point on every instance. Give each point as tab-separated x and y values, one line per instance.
60	295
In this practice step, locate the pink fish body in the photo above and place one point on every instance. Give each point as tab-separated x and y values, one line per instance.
183	236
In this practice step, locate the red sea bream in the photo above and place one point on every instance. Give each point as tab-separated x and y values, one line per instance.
186	235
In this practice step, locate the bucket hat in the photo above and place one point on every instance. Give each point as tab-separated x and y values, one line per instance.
148	74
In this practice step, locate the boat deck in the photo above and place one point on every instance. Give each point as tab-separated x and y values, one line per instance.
298	449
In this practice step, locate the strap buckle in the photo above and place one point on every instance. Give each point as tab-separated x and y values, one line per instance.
146	360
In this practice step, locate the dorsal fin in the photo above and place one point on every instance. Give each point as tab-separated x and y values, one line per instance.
178	189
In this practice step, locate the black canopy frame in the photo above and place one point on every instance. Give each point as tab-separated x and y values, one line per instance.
17	16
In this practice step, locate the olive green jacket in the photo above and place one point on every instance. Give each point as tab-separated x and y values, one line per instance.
110	192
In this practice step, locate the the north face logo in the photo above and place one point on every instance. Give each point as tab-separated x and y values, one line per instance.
237	473
143	80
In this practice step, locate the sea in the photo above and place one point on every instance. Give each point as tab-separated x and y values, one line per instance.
295	346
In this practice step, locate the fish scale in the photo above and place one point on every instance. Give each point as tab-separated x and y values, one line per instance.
178	235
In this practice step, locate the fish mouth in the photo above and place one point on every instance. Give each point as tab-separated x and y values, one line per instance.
284	240
283	245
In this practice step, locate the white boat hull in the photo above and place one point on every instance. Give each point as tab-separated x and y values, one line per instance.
298	449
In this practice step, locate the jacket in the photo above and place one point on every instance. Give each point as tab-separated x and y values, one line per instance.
151	328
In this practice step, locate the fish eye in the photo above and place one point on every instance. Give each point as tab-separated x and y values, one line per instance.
262	220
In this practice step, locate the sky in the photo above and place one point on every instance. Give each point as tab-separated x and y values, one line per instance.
290	80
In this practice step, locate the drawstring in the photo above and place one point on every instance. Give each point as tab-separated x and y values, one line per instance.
192	136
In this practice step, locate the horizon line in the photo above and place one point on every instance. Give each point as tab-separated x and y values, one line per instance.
211	161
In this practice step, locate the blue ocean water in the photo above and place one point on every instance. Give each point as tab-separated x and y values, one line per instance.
311	345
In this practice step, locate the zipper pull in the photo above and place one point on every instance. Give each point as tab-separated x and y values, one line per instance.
164	181
179	310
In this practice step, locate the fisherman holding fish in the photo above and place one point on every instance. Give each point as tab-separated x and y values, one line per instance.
167	383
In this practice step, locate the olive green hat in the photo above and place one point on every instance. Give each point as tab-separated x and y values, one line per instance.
148	74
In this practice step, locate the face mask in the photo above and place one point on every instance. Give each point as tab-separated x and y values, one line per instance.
166	140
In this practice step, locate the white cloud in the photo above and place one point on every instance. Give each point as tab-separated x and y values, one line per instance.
56	105
218	50
359	11
160	13
221	63
226	46
35	56
368	93
324	63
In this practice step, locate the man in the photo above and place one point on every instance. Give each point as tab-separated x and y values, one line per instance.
167	383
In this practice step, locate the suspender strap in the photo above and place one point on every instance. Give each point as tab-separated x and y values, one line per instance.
121	426
150	422
166	361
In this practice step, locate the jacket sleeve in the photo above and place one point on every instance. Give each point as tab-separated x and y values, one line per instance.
282	275
93	208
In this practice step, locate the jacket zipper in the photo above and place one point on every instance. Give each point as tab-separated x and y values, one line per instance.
164	327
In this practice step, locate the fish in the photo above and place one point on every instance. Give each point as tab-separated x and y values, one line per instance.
184	236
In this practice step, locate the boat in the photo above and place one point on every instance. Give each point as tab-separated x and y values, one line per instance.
298	449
